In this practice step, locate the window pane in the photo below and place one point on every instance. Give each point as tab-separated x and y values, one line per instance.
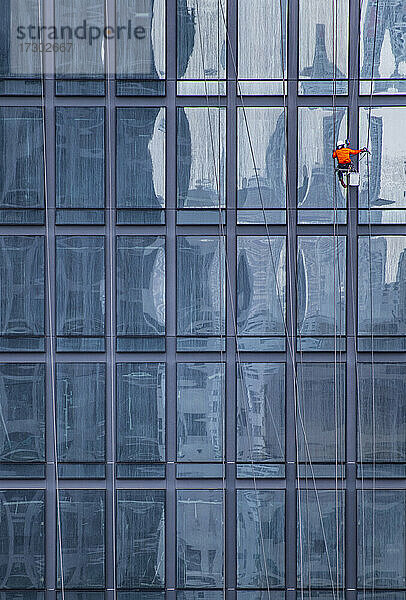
141	64
21	293
80	293
261	419
323	46
320	538
382	417
201	182
140	162
261	65
261	292
381	283
200	415
140	293
200	292
321	290
260	538
382	47
200	527
261	165
82	533
321	413
79	164
320	198
201	46
22	165
22	535
140	418
81	418
140	538
22	435
381	538
383	175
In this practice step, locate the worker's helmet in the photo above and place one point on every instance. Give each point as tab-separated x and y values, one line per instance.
340	144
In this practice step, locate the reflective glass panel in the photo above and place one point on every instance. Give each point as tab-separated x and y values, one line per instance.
261	165
140	47
22	405
321	289
199	527
201	46
80	164
261	264
82	514
381	292
140	538
321	412
80	293
140	162
381	538
323	47
383	47
320	538
81	413
260	538
200	292
320	197
21	293
22	165
261	52
141	414
140	293
383	174
22	535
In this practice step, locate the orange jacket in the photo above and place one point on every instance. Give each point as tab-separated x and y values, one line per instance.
343	155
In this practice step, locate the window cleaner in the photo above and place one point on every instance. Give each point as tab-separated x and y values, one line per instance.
345	167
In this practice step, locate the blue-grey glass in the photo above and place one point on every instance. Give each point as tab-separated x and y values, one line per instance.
200	285
67	595
381	539
21	287
22	406
80	157
261	412
201	46
323	46
321	412
320	538
140	285
22	162
383	176
381	412
141	412
199	541
200	412
144	595
382	47
82	516
201	148
377	595
81	412
260	538
140	179
321	285
140	538
260	595
140	53
317	188
80	286
22	595
261	156
381	285
261	274
262	67
200	595
22	535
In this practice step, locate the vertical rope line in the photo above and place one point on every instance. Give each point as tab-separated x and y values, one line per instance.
50	312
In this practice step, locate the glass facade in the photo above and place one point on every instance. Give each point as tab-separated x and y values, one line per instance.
202	334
